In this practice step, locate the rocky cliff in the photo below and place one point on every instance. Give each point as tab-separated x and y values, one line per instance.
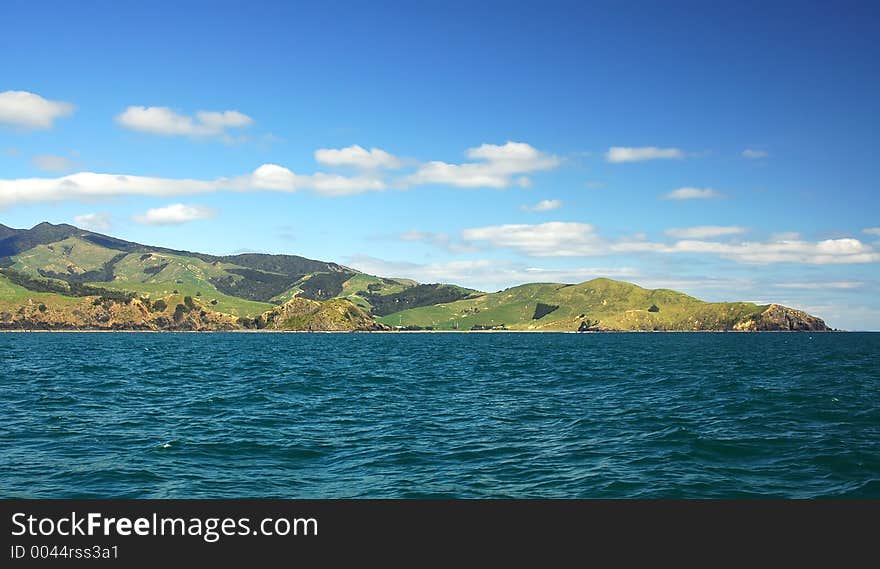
309	315
183	314
775	318
96	313
778	318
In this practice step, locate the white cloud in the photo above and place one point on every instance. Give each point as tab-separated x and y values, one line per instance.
692	194
164	121
754	154
93	221
425	237
524	182
594	185
829	251
89	186
570	239
174	214
30	111
705	231
845	285
492	275
785	236
575	274
221	120
84	186
438	239
359	157
701	283
543	205
278	178
620	154
53	163
498	166
552	239
872	231
482	274
514	156
455	271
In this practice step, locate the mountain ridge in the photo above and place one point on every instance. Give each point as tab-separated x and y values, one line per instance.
63	277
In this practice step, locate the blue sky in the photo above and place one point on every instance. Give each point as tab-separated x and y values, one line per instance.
723	150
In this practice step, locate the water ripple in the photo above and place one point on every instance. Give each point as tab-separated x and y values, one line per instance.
439	415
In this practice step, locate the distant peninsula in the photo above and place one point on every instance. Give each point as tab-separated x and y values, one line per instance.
60	277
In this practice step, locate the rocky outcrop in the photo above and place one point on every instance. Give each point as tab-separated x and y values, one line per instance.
179	313
301	314
775	318
96	313
778	318
589	326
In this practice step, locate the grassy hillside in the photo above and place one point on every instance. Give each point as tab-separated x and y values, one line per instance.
604	303
354	287
417	296
156	275
243	285
71	256
13	296
359	288
60	269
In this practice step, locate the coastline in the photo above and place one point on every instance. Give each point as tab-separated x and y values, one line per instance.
124	331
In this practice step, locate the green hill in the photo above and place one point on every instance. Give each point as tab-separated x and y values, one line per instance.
596	305
60	276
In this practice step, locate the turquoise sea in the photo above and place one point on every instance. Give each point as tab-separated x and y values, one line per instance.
696	415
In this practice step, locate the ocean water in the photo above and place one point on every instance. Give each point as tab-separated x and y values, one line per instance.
439	415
